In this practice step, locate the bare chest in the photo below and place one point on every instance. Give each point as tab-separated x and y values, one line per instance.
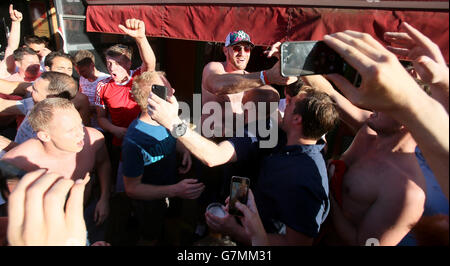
73	167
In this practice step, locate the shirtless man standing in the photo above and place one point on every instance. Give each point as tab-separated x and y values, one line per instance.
229	82
64	146
378	186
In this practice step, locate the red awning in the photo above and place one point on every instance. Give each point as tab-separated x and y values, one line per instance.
265	24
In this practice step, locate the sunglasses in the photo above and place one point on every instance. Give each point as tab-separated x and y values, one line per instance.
238	48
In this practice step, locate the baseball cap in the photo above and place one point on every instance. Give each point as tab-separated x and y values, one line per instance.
237	37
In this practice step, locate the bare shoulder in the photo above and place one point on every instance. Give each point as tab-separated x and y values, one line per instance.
213	67
30	146
22	155
80	99
94	135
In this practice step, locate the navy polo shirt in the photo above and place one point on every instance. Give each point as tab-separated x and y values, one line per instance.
292	187
149	151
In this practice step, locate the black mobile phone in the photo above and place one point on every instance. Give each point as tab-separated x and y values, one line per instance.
311	58
238	192
161	91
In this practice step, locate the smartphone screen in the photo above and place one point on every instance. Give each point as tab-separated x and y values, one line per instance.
159	90
310	58
238	192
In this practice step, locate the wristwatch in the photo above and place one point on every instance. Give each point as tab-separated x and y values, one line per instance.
179	130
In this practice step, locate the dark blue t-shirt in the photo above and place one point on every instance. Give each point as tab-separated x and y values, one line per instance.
149	151
292	187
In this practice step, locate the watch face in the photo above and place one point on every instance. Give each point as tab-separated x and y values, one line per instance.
180	130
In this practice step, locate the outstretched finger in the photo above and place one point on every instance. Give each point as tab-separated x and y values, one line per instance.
424	41
399	51
251	201
349	91
367	39
74	207
155	97
274	50
123	28
243	208
34	206
16	205
401	39
54	202
350	54
172	99
363	42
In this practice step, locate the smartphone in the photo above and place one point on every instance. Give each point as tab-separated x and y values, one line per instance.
311	58
238	192
161	91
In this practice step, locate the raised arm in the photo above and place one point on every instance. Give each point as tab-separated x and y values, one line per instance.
7	65
427	59
13	87
210	153
9	107
6	144
387	87
353	116
218	82
136	29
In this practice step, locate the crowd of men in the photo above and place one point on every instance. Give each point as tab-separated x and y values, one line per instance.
110	142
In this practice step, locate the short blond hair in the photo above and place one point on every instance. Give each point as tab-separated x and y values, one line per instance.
142	85
42	113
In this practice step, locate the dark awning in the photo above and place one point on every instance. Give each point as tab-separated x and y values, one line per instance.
266	24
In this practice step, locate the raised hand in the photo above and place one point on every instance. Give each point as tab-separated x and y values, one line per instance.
252	222
36	211
15	15
427	58
134	28
385	82
411	44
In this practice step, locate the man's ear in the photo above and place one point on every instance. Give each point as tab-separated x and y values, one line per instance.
297	119
43	136
47	68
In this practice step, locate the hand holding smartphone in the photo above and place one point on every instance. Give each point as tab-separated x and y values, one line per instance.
238	192
161	91
310	58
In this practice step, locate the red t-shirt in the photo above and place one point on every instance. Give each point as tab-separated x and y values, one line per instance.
119	101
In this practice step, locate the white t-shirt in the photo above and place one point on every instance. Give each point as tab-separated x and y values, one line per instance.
89	89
